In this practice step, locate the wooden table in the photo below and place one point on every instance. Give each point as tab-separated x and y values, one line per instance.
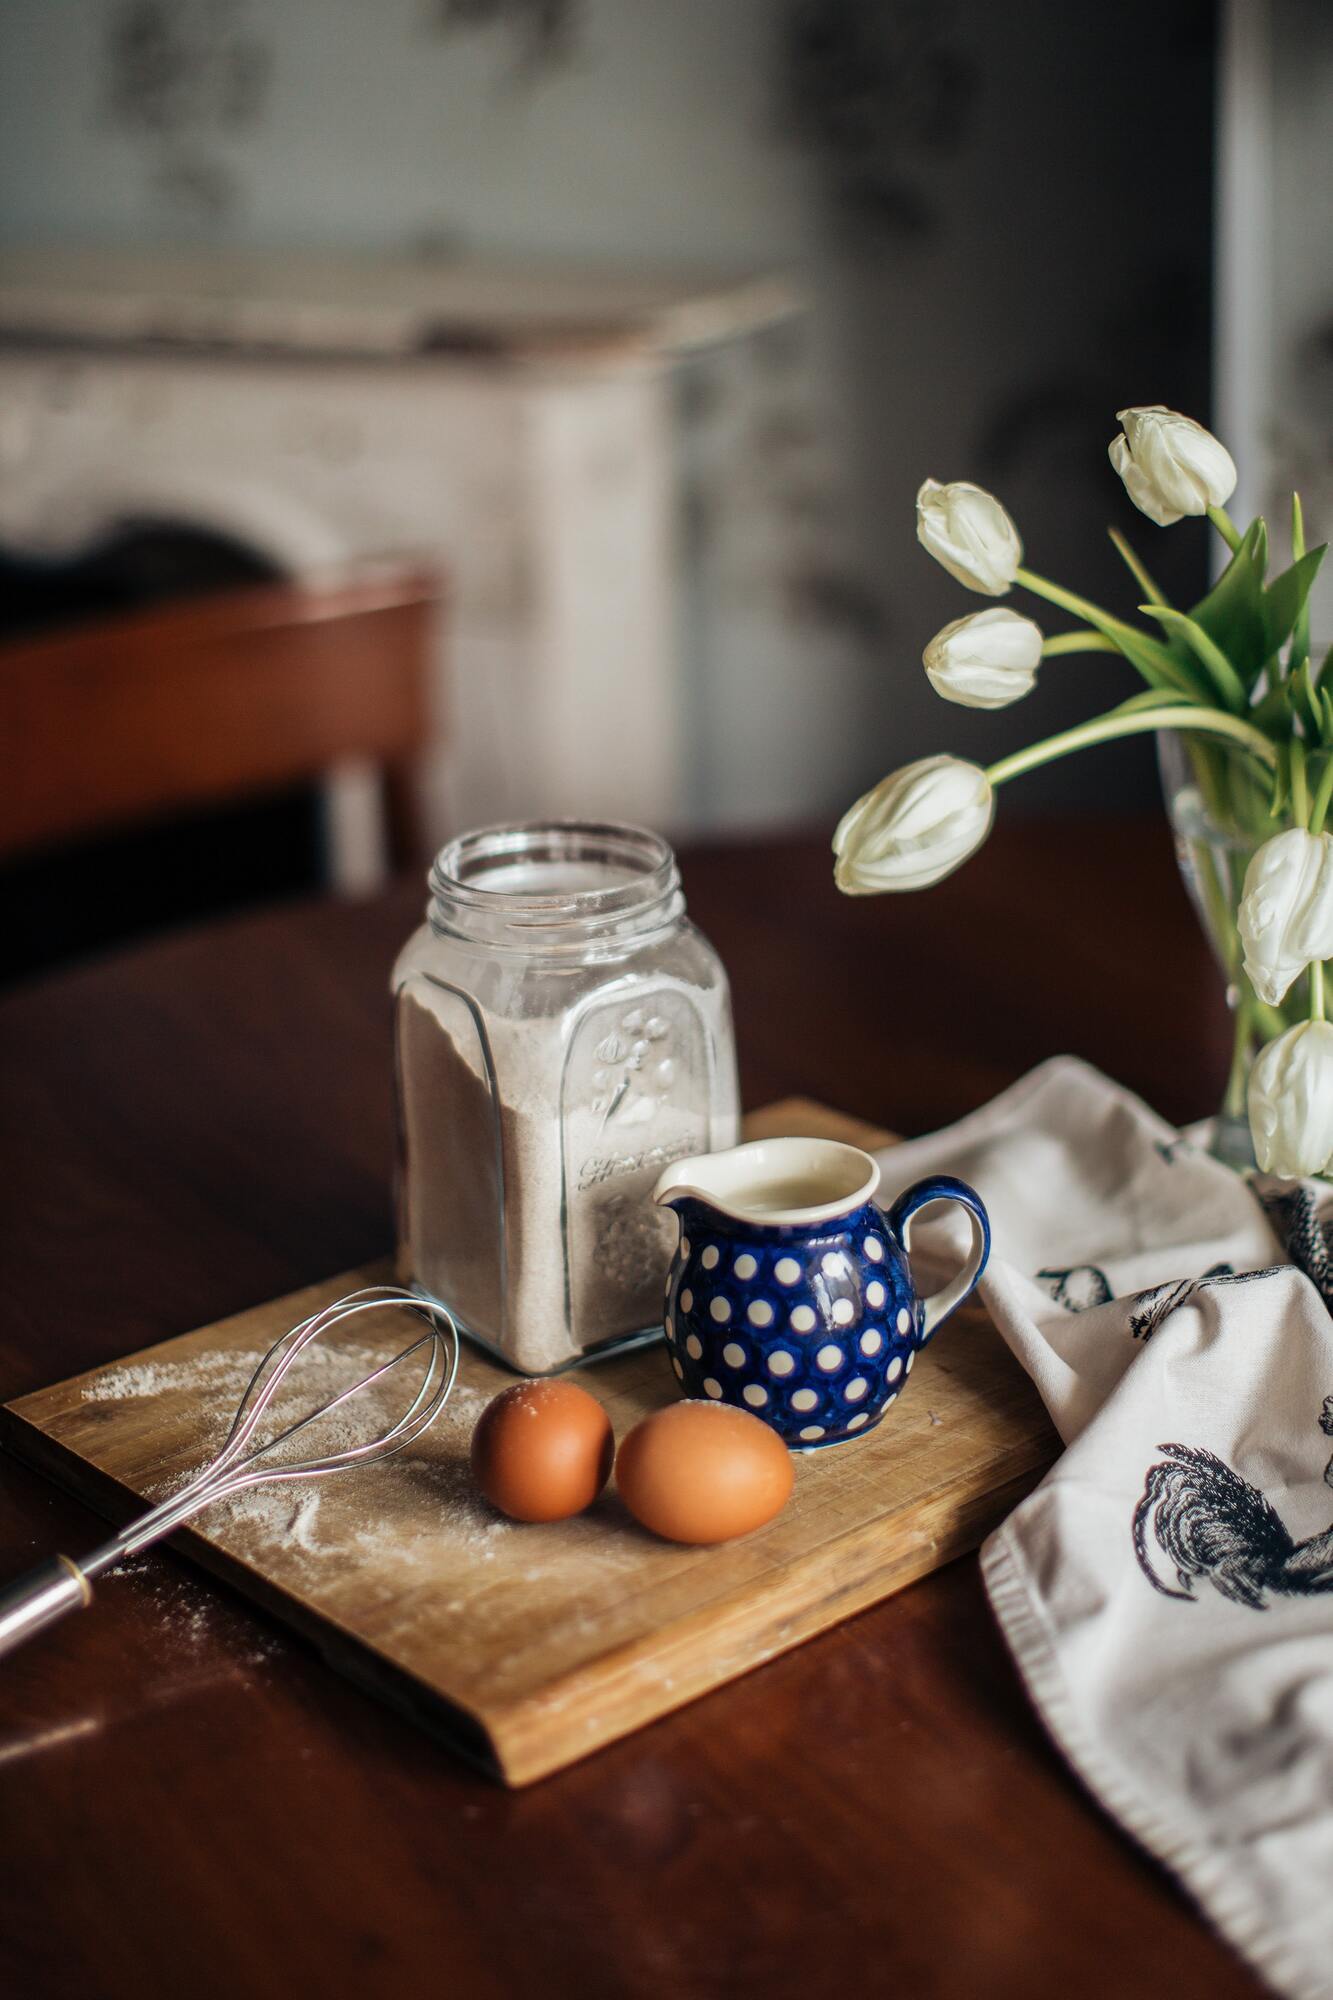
190	1803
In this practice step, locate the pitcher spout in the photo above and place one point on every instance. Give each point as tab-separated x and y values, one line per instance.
680	1182
773	1183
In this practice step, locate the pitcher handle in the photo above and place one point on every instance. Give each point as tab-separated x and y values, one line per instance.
943	1187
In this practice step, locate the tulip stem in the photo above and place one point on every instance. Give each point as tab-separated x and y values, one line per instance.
1242	1054
1323	797
1106	728
1140	575
1300	792
1226	527
1138	647
1077	642
1317	990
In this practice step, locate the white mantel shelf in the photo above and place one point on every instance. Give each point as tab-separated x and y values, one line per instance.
540	313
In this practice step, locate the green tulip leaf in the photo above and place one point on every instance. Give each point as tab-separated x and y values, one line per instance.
1157	667
1230	690
1232	614
1281	791
1273	713
1305	701
1286	596
1162	666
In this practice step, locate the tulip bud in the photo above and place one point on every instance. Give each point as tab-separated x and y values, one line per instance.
985	660
1286	912
914	828
1171	465
968	531
1291	1102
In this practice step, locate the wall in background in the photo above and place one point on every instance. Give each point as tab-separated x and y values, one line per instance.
1298	389
1275	335
1002	216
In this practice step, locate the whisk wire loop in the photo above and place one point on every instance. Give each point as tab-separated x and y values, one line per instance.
62	1585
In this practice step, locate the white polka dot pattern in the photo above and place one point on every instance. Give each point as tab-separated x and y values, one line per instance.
845	1315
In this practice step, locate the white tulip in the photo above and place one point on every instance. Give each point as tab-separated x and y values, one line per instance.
1286	912
985	660
1291	1102
914	828
1170	465
967	530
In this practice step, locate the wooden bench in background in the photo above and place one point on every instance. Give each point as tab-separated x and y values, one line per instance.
218	698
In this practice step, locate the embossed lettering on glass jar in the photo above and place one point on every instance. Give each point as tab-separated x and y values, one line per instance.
563	1033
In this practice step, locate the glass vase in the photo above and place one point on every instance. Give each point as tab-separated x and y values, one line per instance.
1218	805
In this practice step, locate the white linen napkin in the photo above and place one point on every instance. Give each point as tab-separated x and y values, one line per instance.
1168	1588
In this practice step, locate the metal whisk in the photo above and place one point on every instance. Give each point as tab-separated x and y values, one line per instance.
48	1592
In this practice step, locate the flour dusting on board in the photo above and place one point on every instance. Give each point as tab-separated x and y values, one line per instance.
412	1525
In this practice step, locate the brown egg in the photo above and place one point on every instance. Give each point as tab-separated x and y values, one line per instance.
703	1472
542	1450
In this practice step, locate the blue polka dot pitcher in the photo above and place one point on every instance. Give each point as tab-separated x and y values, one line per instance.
790	1293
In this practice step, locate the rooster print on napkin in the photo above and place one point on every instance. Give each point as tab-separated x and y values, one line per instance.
1213	1525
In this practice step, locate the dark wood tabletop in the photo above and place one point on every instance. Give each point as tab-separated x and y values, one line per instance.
191	1803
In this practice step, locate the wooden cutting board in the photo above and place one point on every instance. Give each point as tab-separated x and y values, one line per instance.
526	1646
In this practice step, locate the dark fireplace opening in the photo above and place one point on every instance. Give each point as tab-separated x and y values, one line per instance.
62	904
139	562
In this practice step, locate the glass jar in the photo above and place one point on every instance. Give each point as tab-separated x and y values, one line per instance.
562	1034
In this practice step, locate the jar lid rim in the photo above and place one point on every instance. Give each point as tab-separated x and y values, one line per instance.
457	875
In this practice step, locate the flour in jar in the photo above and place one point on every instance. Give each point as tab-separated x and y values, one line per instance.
529	1150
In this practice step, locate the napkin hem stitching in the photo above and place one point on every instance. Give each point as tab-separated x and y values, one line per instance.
1017	1606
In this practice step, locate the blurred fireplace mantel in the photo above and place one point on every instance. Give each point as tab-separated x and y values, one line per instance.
512	423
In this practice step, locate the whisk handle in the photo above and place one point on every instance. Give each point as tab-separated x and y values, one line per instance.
36	1600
